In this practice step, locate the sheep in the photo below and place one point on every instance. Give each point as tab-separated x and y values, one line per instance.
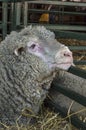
29	60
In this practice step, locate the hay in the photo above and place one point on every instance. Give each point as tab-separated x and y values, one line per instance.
46	120
72	42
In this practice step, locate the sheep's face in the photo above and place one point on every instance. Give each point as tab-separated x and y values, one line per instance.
42	43
53	53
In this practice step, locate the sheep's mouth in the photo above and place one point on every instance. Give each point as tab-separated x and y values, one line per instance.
66	63
63	65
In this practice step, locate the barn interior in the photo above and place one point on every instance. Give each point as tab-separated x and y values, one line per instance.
67	18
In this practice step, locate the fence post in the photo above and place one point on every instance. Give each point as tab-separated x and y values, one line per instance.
4	18
25	13
13	15
18	13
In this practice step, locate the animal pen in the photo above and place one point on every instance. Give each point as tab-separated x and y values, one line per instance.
70	23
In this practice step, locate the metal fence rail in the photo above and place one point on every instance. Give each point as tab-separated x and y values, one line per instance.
19	11
16	15
74	120
72	95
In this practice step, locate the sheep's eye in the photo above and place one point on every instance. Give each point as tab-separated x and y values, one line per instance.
32	46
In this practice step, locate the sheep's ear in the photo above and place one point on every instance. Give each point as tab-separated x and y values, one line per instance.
19	50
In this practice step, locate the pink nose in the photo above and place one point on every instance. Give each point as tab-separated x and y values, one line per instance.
67	54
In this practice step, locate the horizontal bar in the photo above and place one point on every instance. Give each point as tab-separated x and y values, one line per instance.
66	27
70	34
62	27
69	93
56	12
62	33
76	71
81	62
81	4
77	47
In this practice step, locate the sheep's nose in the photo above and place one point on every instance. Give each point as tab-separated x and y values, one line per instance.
64	53
67	53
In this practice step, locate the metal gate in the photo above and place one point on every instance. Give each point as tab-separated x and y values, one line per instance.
16	15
